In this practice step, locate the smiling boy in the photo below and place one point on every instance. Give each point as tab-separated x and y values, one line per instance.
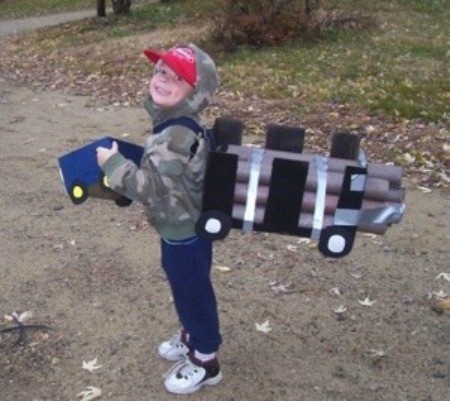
169	183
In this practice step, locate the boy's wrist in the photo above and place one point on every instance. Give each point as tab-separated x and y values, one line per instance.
112	163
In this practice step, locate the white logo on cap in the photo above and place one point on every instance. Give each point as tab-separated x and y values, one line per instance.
185	53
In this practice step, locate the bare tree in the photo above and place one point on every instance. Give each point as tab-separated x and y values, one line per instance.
101	8
121	6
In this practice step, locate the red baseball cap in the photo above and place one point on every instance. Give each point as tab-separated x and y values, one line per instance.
180	59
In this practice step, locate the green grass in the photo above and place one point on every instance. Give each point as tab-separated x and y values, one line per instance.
427	6
146	17
401	68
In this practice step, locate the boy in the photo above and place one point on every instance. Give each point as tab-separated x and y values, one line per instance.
169	182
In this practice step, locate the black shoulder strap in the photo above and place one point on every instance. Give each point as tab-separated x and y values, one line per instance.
183	121
191	124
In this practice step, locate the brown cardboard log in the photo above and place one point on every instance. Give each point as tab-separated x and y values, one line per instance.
395	195
376	188
393	174
240	194
306	220
308	202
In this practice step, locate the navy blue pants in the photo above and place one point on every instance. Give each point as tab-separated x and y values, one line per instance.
187	265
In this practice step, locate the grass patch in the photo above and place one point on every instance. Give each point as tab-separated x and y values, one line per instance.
146	17
399	69
427	6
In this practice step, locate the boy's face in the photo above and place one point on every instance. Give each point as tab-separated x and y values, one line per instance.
166	88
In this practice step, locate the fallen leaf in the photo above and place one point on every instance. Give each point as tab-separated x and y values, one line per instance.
265	257
90	393
442	304
376	387
340	309
370	129
369	235
445	276
25	316
377	353
425	190
280	288
263	327
437	295
222	268
366	302
19	318
408	158
91	366
335	291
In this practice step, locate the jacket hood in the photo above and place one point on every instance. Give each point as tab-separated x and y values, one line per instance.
198	99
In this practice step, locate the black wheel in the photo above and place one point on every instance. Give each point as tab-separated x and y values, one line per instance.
337	241
122	201
78	192
213	225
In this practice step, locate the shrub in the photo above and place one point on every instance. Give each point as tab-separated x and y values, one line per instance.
262	23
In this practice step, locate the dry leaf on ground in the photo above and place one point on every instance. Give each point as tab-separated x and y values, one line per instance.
263	327
91	366
366	302
90	393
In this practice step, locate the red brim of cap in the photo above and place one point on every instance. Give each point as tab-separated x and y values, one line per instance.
155	56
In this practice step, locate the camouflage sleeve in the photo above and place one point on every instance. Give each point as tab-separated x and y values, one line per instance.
162	164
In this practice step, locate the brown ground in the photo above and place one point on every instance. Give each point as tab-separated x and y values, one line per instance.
91	273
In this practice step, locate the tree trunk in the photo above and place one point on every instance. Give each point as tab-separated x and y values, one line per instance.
121	6
101	8
312	5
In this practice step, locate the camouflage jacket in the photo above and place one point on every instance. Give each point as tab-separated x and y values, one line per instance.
169	180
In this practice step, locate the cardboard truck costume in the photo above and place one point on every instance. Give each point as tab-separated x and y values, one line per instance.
83	178
277	188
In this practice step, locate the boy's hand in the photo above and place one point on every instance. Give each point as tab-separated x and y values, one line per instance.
104	154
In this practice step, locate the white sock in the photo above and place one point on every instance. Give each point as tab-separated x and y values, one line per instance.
204	357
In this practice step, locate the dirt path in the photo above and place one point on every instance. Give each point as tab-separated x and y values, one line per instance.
92	274
14	26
